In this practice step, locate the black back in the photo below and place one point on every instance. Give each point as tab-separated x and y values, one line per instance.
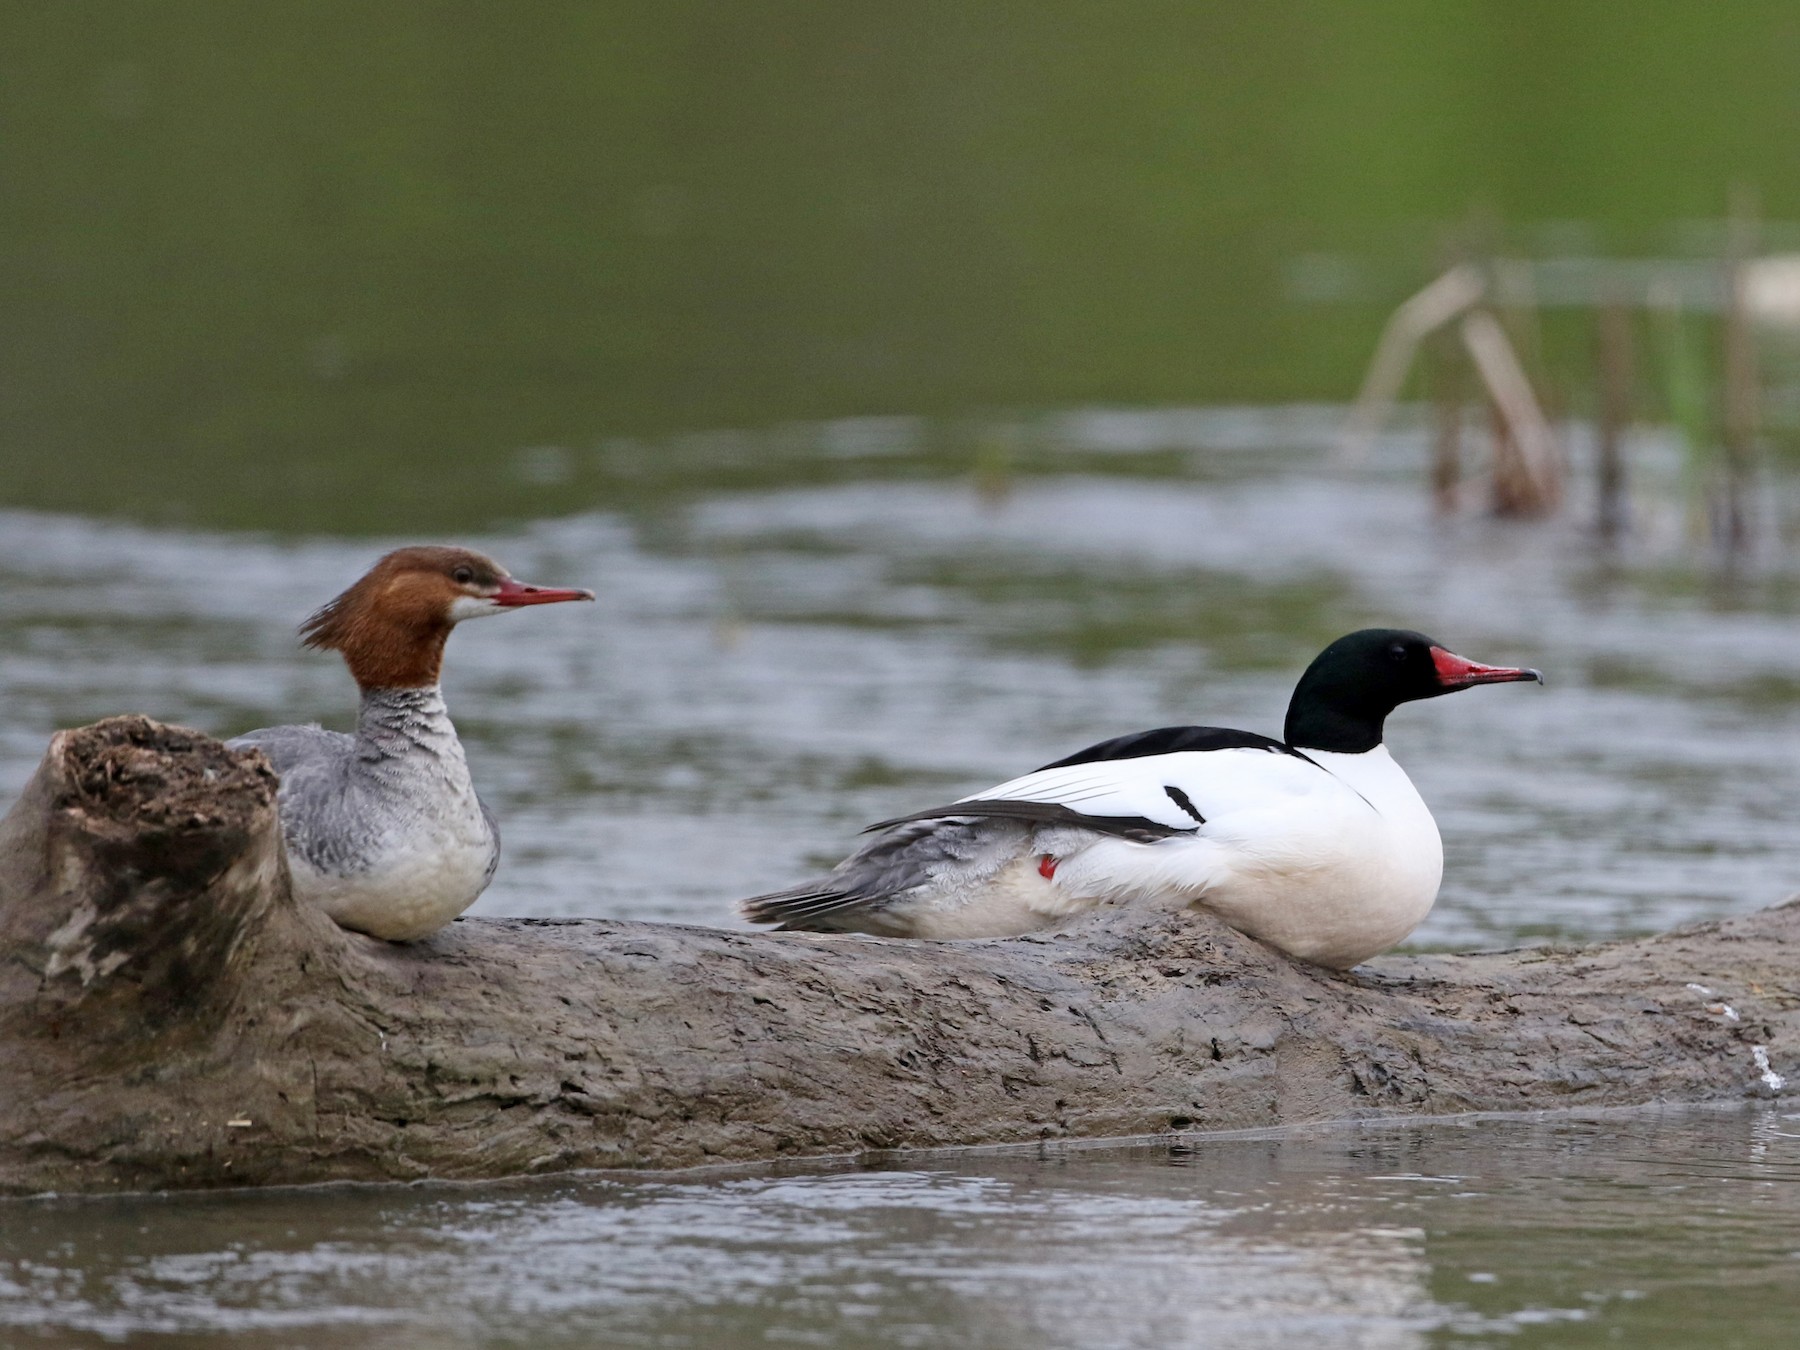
1169	741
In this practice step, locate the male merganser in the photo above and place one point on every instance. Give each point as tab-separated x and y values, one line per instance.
1318	843
383	829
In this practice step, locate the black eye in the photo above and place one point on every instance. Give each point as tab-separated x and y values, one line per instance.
1397	651
462	576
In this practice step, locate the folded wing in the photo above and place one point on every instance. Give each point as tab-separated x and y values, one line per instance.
1166	785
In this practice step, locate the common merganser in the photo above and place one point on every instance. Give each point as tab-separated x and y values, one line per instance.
383	828
1317	843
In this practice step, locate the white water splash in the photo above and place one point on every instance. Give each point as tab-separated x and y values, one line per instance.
1770	1079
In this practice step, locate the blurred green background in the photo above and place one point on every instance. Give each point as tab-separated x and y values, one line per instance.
332	265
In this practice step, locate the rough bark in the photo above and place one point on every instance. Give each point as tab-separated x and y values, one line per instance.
169	1017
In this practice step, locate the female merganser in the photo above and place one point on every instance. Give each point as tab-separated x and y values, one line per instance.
383	828
1318	844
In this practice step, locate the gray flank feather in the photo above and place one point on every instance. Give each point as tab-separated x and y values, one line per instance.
912	856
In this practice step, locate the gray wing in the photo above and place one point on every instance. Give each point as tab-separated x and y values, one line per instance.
1138	829
290	748
318	822
964	843
852	898
493	825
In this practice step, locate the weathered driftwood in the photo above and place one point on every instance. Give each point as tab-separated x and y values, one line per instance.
169	1017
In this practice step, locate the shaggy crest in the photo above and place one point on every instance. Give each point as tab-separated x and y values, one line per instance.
390	627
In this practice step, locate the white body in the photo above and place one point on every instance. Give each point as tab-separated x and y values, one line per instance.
383	829
428	864
1331	857
417	888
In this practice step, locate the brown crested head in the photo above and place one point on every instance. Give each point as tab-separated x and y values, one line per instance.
390	627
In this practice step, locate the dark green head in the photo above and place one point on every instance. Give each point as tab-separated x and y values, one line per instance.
1343	699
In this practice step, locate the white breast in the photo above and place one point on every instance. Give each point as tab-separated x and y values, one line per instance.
423	876
1342	886
411	847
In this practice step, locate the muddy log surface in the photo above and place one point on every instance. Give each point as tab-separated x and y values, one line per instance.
169	1017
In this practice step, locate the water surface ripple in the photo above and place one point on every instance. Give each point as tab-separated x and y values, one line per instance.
769	670
1651	1229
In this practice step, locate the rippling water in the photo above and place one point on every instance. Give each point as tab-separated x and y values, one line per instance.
769	668
1668	1229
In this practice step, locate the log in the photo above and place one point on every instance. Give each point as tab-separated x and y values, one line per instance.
170	1017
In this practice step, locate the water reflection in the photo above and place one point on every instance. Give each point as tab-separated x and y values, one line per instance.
1649	1227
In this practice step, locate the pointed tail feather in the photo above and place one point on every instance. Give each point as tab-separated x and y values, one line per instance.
919	859
805	909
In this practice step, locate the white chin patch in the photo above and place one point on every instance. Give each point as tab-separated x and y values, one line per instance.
473	607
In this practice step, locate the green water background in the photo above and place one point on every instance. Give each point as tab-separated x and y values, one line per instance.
331	266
